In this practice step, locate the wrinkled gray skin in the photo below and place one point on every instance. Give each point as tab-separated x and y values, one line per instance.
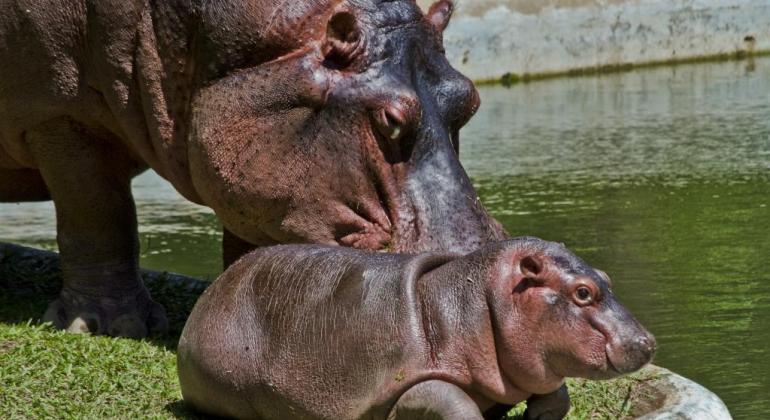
314	332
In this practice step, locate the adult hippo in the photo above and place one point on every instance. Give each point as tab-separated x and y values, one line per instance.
313	332
324	121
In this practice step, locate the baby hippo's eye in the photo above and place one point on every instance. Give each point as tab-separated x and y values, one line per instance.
583	296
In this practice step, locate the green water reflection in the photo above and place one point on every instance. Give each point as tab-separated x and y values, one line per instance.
660	177
175	234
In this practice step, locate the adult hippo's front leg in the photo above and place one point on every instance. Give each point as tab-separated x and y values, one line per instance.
435	400
90	182
234	248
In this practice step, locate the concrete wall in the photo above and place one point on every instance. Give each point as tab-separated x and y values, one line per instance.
490	38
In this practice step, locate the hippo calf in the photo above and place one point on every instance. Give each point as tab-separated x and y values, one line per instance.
311	332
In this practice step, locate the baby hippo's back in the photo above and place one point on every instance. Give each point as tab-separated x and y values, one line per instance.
272	337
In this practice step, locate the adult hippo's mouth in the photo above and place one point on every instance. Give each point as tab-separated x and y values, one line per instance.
424	199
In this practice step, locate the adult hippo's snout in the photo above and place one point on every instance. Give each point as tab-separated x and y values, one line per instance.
438	206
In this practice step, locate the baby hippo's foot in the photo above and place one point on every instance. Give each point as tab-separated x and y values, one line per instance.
553	406
133	314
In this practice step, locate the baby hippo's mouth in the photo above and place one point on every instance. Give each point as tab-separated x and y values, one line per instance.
611	366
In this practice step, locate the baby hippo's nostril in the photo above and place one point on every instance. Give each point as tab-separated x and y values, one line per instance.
648	344
645	346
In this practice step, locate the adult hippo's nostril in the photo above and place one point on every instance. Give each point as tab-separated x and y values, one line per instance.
459	100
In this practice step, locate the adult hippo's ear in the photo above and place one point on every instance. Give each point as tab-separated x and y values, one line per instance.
440	13
344	41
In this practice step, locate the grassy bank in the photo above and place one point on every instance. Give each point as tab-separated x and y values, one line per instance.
51	374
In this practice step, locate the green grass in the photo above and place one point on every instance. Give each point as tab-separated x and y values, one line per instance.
51	374
617	399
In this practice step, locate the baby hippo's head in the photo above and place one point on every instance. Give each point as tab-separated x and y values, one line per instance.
557	317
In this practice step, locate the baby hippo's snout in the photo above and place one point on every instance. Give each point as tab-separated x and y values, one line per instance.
636	353
629	345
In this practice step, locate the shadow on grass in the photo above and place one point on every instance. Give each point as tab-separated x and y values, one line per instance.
30	279
27	283
180	410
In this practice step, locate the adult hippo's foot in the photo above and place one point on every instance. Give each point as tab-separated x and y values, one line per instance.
133	315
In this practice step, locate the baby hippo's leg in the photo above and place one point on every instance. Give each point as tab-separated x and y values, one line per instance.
435	400
497	412
553	406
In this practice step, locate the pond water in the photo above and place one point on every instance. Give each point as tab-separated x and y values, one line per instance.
660	177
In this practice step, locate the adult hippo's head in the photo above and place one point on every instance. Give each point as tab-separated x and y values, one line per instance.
333	122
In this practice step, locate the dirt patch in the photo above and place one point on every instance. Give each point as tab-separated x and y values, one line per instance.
7	345
645	398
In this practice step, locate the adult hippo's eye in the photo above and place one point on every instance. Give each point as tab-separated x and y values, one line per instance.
395	122
390	122
583	296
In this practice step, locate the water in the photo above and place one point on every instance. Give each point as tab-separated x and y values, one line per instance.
660	177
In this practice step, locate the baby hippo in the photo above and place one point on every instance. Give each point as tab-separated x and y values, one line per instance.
316	332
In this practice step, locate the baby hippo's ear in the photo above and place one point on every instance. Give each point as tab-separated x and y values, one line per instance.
531	268
604	276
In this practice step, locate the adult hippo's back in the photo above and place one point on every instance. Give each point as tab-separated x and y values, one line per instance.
331	122
314	332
